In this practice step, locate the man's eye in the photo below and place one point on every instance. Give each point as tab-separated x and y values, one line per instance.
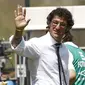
55	23
62	24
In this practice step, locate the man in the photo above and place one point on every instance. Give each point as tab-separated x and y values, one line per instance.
78	60
43	61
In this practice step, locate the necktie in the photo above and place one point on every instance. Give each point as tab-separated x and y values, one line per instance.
60	66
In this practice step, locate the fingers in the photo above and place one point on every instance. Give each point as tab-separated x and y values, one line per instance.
20	11
28	21
15	13
24	12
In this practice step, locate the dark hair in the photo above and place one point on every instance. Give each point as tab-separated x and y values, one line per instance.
61	12
67	37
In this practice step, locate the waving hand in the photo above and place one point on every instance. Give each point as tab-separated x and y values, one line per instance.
20	18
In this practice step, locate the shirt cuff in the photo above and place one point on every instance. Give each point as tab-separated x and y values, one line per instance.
20	47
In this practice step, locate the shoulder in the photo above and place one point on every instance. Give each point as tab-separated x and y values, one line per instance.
37	39
71	44
35	42
67	50
64	49
64	46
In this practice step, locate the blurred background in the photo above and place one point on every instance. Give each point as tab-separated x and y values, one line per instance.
7	8
7	25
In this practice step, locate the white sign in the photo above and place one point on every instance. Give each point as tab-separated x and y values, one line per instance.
21	70
38	16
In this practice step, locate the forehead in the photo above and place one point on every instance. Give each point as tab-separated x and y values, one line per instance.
61	19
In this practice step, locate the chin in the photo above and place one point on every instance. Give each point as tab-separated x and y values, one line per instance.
56	37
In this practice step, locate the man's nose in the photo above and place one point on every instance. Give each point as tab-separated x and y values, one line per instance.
58	26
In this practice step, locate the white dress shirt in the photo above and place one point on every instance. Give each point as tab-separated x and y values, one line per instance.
43	63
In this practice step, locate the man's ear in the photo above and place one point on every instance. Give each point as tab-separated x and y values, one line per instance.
47	28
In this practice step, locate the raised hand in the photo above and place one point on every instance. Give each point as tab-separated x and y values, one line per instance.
20	15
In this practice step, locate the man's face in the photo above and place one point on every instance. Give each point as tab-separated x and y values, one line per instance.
57	28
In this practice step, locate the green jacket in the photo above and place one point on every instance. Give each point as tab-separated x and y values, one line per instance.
79	63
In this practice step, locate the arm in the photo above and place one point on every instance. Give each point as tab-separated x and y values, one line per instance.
20	24
72	73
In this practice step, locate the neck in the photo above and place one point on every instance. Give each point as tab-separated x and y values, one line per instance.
57	39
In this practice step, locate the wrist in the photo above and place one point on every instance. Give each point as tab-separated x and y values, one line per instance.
19	30
18	33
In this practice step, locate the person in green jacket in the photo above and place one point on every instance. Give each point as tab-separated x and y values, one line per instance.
78	59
